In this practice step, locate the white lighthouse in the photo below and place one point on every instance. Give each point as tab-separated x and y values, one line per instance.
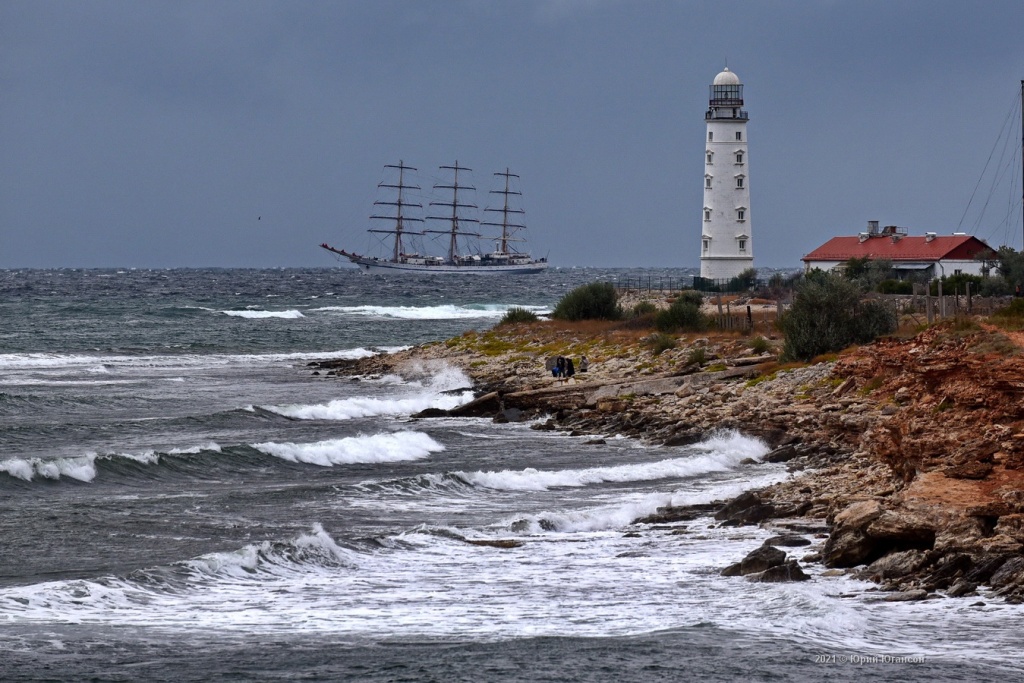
726	247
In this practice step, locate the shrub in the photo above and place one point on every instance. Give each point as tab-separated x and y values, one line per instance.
895	287
828	315
596	301
682	315
698	355
1014	310
643	308
516	315
759	345
661	342
951	284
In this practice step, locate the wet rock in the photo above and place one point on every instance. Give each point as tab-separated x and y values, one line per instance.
984	569
686	513
760	559
1011	573
781	573
907	596
961	588
783	454
431	412
894	565
747	508
787	541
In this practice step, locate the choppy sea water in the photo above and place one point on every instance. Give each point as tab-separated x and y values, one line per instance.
181	499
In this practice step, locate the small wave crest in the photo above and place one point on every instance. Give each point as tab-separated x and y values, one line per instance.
290	314
444	312
720	453
397	447
447	379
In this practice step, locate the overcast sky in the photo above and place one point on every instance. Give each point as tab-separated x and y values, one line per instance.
244	133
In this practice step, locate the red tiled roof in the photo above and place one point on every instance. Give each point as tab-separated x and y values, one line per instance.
961	247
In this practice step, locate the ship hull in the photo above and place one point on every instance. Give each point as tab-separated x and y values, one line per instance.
371	265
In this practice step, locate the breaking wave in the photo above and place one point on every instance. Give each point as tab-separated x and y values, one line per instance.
290	314
397	447
83	467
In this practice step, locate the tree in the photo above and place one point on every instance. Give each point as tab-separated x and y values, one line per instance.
596	301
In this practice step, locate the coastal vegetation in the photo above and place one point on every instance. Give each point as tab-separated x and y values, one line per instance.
830	313
594	301
516	315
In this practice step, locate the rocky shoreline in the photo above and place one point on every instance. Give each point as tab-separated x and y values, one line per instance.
909	452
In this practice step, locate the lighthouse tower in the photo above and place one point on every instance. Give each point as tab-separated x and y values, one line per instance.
726	247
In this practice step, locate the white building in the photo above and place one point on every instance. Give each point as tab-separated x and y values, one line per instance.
726	245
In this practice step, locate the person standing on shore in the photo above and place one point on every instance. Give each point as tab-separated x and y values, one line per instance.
584	364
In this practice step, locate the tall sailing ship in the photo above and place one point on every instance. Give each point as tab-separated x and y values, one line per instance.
463	253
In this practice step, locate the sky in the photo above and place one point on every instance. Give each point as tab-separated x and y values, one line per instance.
243	133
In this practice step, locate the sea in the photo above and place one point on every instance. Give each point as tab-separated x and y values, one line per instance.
183	499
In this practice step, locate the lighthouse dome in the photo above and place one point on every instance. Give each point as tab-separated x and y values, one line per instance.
726	78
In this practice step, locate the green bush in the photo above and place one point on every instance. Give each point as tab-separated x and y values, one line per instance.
682	315
516	315
828	315
759	345
643	308
1015	311
596	301
661	342
895	287
952	284
698	355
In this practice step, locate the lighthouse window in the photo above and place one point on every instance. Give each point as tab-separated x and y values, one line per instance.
739	157
707	244
740	214
707	182
739	135
707	214
743	245
739	182
711	136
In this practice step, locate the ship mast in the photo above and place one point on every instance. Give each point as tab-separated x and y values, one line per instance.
507	229
1022	162
399	218
454	218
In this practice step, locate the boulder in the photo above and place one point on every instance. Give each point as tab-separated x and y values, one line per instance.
907	596
787	541
756	561
1012	572
747	508
782	454
894	565
780	573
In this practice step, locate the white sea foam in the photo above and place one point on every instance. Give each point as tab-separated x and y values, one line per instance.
396	447
722	453
87	363
431	396
290	314
81	468
443	312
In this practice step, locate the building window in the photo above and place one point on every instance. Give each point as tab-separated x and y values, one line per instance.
739	183
739	135
743	246
707	245
711	136
707	182
710	154
707	214
739	157
740	214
